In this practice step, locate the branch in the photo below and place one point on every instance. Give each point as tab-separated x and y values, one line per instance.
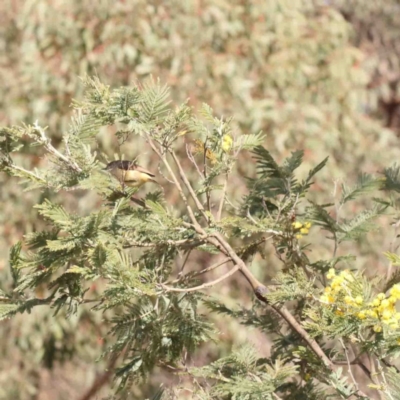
177	243
189	187
24	171
210	268
176	182
193	161
49	147
101	380
348	363
204	285
205	173
217	240
222	201
193	274
363	367
184	262
388	364
260	291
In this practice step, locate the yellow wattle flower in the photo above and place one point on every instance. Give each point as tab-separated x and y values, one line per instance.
376	302
362	314
227	142
395	291
359	300
377	328
297	225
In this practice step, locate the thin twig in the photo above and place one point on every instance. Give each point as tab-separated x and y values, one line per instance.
161	173
384	381
33	175
348	363
182	242
102	379
189	187
184	262
205	172
193	161
210	268
204	285
176	182
49	147
355	361
193	274
222	201
231	204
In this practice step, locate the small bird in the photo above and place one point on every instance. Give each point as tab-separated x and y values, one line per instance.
129	173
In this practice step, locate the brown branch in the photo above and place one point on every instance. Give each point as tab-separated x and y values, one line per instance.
260	291
101	380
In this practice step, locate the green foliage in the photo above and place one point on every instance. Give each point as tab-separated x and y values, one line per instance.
132	250
243	375
290	69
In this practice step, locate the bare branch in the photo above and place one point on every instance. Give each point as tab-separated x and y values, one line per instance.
193	161
205	173
101	380
210	268
184	262
52	150
348	363
189	186
197	273
175	179
204	285
24	171
222	201
177	243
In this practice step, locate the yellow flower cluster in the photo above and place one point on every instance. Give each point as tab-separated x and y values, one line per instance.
227	143
380	311
301	228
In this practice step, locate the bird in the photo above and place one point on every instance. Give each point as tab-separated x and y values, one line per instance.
129	173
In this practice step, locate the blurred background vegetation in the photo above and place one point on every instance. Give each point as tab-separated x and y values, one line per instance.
323	76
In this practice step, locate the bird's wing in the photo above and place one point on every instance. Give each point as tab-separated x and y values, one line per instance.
127	165
144	171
